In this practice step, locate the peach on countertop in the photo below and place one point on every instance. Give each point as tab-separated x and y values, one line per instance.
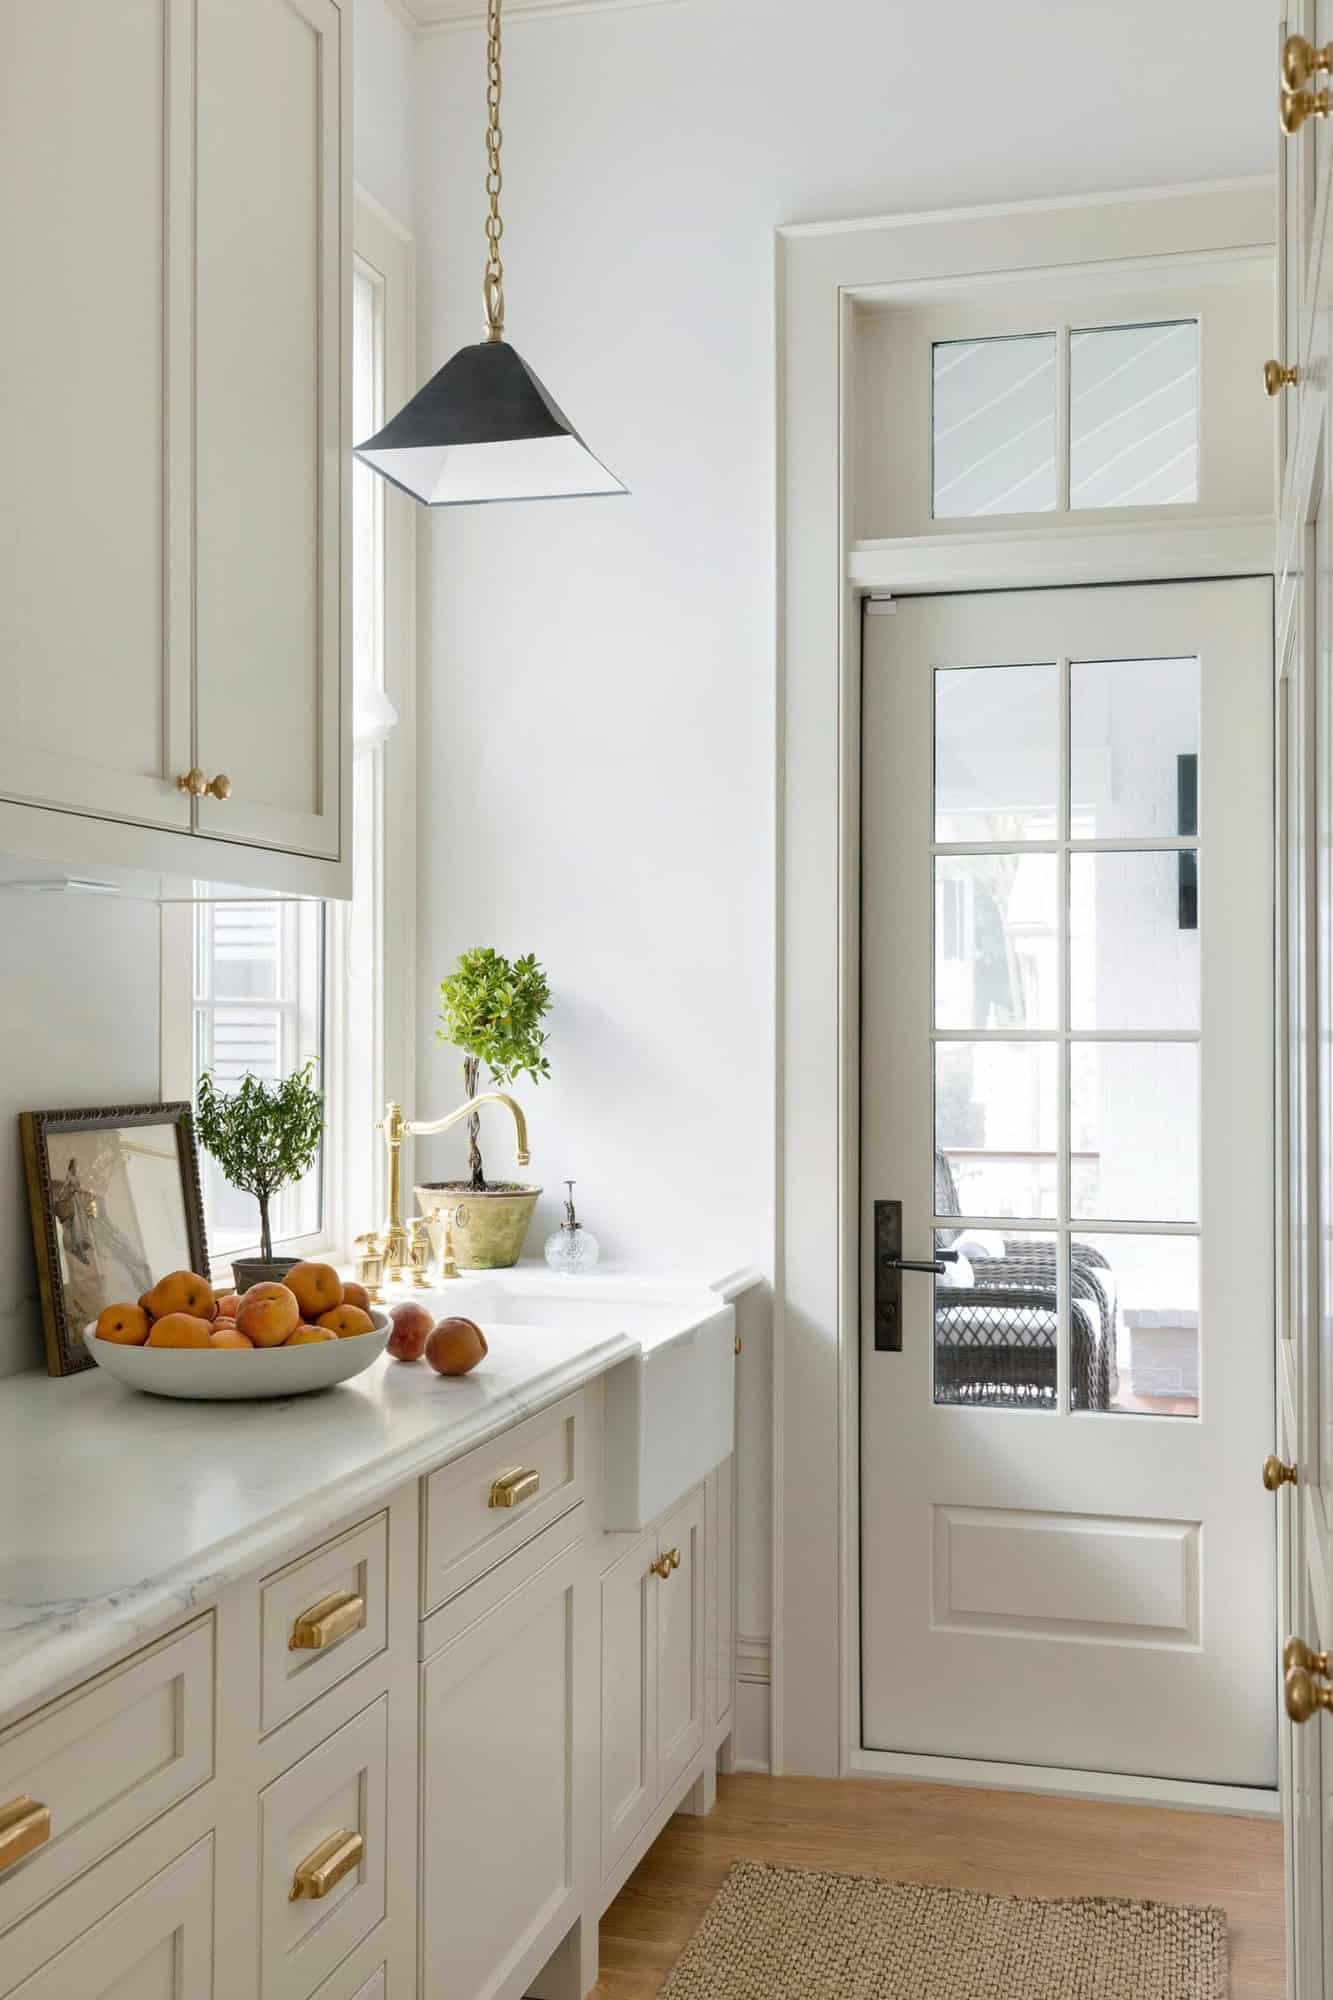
179	1329
127	1326
355	1295
411	1330
456	1346
228	1335
318	1288
305	1335
267	1314
346	1321
180	1292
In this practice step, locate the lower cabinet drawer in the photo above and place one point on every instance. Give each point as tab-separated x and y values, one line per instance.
498	1741
323	1856
102	1762
484	1506
321	1618
156	1945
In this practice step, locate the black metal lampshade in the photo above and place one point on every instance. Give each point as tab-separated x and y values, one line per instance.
484	429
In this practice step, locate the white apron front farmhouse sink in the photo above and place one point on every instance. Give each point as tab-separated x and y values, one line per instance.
670	1408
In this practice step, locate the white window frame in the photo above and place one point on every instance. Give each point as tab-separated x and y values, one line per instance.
354	1191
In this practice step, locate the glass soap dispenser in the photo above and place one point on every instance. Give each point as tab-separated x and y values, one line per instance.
571	1248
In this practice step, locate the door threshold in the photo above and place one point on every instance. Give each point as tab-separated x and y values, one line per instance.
1110	1786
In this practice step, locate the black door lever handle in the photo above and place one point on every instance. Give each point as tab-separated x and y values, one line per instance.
938	1264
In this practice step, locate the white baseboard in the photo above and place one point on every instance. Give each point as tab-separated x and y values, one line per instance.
1106	1785
751	1740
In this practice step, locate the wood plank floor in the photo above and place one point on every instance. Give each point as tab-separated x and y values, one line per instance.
1012	1843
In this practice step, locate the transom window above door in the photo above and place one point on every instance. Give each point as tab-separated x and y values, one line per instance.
1081	417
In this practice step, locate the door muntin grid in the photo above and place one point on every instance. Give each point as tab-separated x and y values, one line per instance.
1066	1032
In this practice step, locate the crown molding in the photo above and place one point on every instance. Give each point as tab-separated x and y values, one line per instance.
440	16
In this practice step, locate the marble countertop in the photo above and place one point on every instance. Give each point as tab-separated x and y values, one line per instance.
122	1511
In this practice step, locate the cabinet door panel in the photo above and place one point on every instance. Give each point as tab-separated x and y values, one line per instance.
157	1945
498	1858
722	1586
94	474
629	1698
269	364
680	1647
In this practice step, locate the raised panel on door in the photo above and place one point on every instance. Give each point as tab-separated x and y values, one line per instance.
157	1945
269	368
681	1699
498	1860
630	1786
94	475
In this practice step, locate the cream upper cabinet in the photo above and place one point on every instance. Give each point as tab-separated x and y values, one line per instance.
174	493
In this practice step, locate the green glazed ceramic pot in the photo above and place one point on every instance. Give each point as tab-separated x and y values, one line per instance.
488	1228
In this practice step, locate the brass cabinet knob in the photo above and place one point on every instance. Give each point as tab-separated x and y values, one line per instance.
662	1565
1302	1694
1297	1654
326	1866
1301	60
1296	106
512	1487
1277	378
324	1623
199	785
24	1825
737	1345
1276	1474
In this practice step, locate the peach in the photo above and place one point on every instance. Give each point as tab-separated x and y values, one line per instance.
179	1329
456	1346
346	1321
227	1335
318	1288
127	1326
180	1292
267	1314
227	1303
356	1295
412	1326
305	1335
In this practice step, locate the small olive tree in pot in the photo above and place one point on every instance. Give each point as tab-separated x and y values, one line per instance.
492	1011
264	1137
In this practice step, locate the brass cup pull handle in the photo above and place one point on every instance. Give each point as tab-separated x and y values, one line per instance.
1303	1695
1297	1654
662	1566
325	1867
513	1487
328	1621
1277	378
1276	1474
1295	106
24	1825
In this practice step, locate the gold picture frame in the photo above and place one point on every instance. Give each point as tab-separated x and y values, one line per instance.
116	1202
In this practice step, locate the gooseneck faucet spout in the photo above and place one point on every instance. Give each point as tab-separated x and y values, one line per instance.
396	1128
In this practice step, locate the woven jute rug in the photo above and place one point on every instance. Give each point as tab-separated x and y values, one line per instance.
778	1933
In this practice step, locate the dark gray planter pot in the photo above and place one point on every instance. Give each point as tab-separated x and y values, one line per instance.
247	1271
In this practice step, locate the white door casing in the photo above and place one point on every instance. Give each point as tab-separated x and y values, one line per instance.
1048	1587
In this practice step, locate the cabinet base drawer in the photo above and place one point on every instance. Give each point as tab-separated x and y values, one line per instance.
484	1506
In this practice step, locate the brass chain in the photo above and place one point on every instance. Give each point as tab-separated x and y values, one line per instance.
493	283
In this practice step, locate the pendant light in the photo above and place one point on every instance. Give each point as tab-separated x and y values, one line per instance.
485	428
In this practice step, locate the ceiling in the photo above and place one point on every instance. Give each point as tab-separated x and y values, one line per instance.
470	13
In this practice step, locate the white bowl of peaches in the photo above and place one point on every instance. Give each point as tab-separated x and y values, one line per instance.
186	1338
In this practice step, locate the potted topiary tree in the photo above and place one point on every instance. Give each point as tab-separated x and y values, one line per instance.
264	1137
492	1012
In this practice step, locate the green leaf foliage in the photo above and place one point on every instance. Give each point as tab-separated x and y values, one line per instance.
493	1011
263	1136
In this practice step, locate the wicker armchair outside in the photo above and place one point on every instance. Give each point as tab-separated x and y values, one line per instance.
997	1340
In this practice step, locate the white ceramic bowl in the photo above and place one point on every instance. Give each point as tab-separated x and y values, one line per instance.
227	1375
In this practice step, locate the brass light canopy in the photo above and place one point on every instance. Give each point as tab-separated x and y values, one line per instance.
485	428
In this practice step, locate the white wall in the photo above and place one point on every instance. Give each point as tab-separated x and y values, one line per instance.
383	106
597	711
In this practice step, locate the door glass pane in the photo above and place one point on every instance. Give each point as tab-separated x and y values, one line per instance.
1133	748
997	961
1138	1296
1134	940
996	1126
997	752
1134	415
993	426
1134	1130
997	1321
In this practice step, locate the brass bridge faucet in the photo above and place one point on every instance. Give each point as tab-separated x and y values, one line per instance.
396	1247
